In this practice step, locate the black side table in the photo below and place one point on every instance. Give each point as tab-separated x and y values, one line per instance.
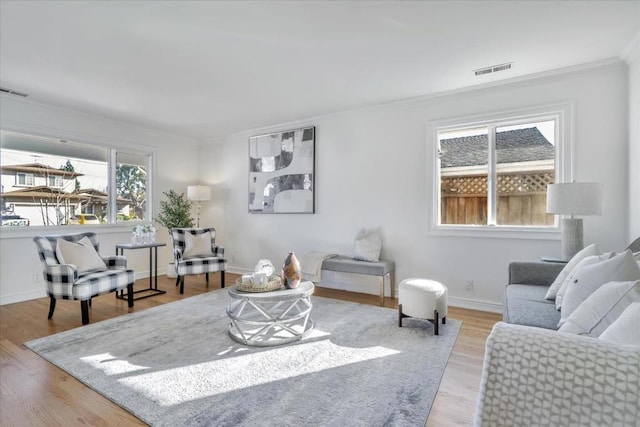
152	290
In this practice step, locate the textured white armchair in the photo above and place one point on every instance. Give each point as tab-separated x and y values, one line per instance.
540	377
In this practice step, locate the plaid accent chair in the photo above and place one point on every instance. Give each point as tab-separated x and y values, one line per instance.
205	261
64	281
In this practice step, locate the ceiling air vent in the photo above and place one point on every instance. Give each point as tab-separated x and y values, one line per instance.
13	92
493	69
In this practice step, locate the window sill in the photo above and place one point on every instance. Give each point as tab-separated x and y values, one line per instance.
497	232
32	231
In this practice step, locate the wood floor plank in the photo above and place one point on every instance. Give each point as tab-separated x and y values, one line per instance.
34	392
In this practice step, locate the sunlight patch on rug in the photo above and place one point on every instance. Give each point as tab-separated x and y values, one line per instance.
111	365
167	388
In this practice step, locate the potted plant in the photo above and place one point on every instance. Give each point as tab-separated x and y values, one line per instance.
175	212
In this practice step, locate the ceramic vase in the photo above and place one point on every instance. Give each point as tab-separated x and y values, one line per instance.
291	271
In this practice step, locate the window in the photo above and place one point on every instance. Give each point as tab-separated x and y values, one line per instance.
131	184
67	179
24	179
494	173
55	181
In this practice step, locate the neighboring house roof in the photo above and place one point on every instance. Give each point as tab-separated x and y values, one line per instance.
513	146
40	170
92	191
42	192
97	196
90	196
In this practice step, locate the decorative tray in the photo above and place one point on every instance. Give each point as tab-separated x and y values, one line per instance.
273	283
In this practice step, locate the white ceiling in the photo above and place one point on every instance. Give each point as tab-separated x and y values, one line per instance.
206	69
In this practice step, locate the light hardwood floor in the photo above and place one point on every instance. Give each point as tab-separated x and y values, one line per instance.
33	392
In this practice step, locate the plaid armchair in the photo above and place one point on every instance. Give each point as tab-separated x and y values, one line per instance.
64	281
199	263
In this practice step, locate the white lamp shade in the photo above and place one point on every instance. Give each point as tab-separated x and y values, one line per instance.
574	198
198	192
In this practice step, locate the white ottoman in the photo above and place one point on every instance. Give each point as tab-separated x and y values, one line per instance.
424	299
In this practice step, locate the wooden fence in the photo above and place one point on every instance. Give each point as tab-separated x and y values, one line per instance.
522	199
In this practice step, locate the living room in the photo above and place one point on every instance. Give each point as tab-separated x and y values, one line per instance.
373	165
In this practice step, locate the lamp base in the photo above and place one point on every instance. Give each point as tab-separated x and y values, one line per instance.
572	237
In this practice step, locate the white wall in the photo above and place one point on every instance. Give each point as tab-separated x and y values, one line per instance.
176	167
633	60
372	170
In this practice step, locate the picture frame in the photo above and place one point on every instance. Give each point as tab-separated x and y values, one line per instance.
282	172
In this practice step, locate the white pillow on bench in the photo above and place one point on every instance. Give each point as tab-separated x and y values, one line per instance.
367	246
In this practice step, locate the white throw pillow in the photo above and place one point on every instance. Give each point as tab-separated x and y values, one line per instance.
590	260
367	245
586	280
602	308
624	330
590	250
199	245
82	254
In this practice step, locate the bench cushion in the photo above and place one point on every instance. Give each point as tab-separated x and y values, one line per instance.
346	264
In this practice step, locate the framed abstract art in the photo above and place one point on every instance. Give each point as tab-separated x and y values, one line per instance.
281	172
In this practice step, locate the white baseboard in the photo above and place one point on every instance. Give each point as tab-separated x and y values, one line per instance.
23	296
490	307
145	274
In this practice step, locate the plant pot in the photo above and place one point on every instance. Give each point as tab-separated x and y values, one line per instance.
171	271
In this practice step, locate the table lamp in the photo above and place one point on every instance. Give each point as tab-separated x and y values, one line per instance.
574	198
198	193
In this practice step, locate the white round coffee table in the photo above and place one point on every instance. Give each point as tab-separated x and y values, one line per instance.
270	318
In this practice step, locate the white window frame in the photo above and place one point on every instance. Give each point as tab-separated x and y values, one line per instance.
26	183
58	182
112	226
563	115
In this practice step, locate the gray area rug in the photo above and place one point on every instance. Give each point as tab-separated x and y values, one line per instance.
175	365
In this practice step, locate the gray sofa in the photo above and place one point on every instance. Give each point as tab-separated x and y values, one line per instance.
524	302
534	375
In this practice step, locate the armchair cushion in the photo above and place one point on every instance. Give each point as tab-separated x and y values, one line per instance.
199	245
115	262
101	282
81	254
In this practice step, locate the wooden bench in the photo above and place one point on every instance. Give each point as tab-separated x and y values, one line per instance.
383	269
